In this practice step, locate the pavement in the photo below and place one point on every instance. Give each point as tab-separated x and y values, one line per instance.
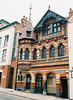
29	95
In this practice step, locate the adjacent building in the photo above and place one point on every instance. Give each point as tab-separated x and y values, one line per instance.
7	34
43	59
70	41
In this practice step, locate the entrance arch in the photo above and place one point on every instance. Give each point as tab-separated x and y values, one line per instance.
51	84
64	89
39	83
28	81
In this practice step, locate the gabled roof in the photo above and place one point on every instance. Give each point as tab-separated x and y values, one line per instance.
10	25
4	21
49	14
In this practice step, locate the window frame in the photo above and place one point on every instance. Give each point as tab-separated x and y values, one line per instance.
61	50
52	52
26	56
44	53
4	55
6	40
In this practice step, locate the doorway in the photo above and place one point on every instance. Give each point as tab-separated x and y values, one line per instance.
11	77
38	84
51	84
0	78
64	92
28	81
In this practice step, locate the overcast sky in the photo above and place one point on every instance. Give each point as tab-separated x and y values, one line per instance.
12	10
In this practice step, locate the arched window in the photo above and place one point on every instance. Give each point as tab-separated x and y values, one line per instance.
44	53
21	54
27	54
61	50
21	77
35	54
52	51
18	77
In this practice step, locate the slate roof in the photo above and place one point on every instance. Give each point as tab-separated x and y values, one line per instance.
4	21
10	24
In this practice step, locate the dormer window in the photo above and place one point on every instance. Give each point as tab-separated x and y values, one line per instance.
56	27
28	33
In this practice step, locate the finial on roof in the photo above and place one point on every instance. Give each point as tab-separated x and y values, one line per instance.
30	11
49	7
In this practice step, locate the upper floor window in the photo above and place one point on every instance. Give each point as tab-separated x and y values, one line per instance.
44	53
26	54
52	51
61	50
28	33
48	29
35	54
4	55
6	40
0	41
21	54
56	27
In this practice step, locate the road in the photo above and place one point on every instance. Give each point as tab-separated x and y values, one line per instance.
4	96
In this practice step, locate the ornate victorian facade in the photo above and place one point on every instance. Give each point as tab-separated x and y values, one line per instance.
43	56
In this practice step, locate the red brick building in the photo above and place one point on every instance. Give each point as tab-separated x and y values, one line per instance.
43	56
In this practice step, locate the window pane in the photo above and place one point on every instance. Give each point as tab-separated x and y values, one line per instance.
55	30
54	25
28	33
35	54
6	40
59	29
21	54
44	53
52	52
61	50
27	54
4	55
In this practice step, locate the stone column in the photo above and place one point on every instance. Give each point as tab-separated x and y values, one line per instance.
32	89
47	53
38	54
56	52
44	81
30	55
24	82
58	85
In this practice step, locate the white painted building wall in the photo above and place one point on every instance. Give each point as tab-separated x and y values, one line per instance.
7	31
70	44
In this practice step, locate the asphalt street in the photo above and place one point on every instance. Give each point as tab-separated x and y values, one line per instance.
4	96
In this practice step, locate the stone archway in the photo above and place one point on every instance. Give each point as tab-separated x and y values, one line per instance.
51	84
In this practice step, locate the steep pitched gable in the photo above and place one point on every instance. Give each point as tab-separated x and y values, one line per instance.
48	15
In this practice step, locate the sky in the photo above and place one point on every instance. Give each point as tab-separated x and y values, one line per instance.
14	10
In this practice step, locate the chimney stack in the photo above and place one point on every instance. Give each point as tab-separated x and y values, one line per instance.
70	12
24	21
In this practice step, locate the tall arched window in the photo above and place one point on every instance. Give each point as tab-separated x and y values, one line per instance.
35	54
44	53
26	54
21	54
52	51
61	50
